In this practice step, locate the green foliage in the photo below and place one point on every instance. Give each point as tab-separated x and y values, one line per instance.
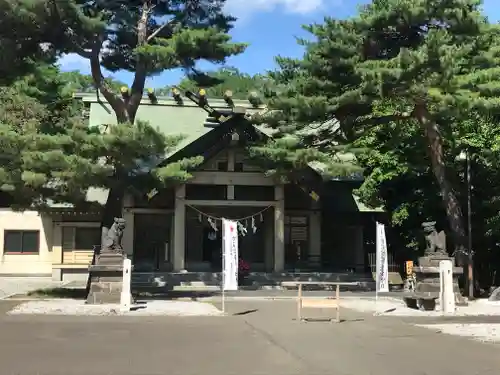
48	153
77	82
149	36
41	133
405	86
240	84
24	28
146	38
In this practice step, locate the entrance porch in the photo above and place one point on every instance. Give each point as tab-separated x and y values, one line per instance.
188	238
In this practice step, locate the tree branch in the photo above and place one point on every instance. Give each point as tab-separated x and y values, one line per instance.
79	50
137	89
374	121
370	123
95	67
158	30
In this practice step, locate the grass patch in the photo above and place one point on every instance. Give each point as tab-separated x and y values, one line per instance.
70	293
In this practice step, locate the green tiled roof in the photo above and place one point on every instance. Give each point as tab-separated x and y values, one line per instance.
169	117
166	115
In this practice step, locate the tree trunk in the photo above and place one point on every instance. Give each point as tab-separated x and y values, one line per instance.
125	111
450	201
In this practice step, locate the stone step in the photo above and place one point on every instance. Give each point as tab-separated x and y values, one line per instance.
209	276
161	283
98	298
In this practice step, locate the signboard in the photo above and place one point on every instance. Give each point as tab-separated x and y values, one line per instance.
229	255
382	262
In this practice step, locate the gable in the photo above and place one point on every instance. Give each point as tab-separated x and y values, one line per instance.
202	136
238	156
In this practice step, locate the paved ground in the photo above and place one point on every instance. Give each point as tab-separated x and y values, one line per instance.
258	338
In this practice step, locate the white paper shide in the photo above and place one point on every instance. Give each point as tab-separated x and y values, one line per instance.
229	255
382	270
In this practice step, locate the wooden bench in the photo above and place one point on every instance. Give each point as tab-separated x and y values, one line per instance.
318	303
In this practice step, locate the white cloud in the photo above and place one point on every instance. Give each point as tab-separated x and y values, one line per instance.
244	8
72	61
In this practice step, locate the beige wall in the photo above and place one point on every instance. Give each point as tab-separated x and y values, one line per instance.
24	264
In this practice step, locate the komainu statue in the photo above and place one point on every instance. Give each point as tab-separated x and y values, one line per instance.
112	240
435	241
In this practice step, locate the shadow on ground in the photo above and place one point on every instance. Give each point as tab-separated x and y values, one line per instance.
173	295
246	312
329	320
69	293
141	295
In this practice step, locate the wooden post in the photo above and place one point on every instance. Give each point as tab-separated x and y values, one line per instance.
446	295
126	297
299	303
337	297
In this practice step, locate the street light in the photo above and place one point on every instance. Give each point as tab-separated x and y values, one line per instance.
465	155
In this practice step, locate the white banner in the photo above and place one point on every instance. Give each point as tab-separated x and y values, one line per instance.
382	263
229	255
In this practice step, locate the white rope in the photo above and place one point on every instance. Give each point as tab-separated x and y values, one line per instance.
221	218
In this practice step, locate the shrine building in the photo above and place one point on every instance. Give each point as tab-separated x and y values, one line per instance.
316	226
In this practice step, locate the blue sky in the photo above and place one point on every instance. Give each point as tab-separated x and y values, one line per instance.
270	27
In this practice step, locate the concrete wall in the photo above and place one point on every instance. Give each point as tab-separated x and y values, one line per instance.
27	264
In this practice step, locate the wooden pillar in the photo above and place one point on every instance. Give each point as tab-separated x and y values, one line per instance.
230	168
179	250
268	225
128	233
279	229
57	251
358	247
315	238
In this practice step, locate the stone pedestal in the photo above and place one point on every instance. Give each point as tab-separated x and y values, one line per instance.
427	283
106	279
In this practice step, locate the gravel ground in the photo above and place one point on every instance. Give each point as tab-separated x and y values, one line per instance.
395	307
486	332
152	308
480	332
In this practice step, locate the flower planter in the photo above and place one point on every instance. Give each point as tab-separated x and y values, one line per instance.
243	272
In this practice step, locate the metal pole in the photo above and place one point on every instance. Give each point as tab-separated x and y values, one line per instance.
469	228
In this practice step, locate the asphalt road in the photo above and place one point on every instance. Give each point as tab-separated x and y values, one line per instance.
256	338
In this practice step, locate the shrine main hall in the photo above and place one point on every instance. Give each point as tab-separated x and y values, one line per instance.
316	226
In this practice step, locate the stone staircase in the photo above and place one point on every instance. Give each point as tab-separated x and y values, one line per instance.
255	281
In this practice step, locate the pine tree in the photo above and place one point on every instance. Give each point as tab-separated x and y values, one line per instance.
145	37
47	151
24	28
77	82
241	85
399	63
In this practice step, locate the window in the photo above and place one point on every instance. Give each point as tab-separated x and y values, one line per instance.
222	166
81	238
21	241
238	167
87	238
